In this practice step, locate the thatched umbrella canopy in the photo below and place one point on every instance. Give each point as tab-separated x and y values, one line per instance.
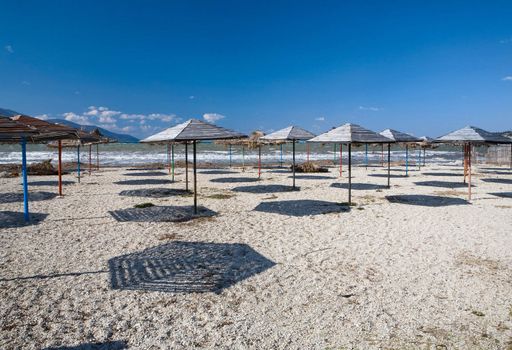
193	130
48	132
292	133
251	142
351	134
403	138
469	136
11	132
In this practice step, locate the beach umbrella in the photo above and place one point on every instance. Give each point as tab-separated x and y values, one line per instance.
193	130
352	134
469	136
293	134
13	132
47	131
401	137
426	142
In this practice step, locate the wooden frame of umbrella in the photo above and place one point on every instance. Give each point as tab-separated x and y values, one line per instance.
291	134
249	142
350	134
467	137
49	132
14	132
193	130
401	138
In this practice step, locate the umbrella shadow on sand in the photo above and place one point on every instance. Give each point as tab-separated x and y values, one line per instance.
32	196
359	186
444	184
108	345
301	207
502	194
49	183
265	189
312	177
147	173
186	267
426	200
161	214
155	192
144	182
235	179
499	181
441	174
217	172
11	219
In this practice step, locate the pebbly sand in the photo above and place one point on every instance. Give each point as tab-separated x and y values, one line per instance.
272	270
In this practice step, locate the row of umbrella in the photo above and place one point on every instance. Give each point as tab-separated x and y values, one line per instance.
348	134
22	129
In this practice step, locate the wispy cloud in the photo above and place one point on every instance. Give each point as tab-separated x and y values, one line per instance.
372	109
506	41
320	119
76	118
9	48
191	97
507	78
43	116
26	83
212	117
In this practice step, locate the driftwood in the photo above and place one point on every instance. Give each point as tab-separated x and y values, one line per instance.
309	167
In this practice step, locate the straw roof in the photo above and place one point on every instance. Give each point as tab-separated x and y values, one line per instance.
12	131
474	135
290	133
46	131
350	133
84	138
399	136
193	130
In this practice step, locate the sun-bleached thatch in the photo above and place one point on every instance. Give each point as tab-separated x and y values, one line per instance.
289	134
46	131
473	135
398	136
350	133
12	131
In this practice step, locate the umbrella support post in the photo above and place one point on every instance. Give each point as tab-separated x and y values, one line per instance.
78	162
465	151
424	155
243	159
168	158
26	214
389	165
259	162
341	160
366	155
186	166
230	156
349	174
97	156
511	156
281	159
334	153
90	159
406	160
419	159
307	152
293	164
195	179
59	168
172	162
469	171
382	155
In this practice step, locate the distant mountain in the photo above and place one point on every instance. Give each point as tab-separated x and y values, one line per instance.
507	134
7	113
122	138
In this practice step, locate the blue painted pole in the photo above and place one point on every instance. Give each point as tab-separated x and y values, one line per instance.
78	162
24	175
366	155
172	161
281	160
406	160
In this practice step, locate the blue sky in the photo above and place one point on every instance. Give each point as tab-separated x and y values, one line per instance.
138	66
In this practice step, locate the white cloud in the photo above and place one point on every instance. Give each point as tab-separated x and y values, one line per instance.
26	83
506	41
9	48
212	117
73	117
320	119
191	97
373	109
508	78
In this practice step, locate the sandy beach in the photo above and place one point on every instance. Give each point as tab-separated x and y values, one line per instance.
414	266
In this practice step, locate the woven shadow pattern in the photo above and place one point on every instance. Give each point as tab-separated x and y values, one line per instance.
441	174
444	184
301	207
147	173
217	172
426	201
49	183
32	196
186	267
265	189
161	214
144	182
499	181
9	219
235	179
359	186
155	192
312	177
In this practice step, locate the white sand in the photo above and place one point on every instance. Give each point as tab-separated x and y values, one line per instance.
384	275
